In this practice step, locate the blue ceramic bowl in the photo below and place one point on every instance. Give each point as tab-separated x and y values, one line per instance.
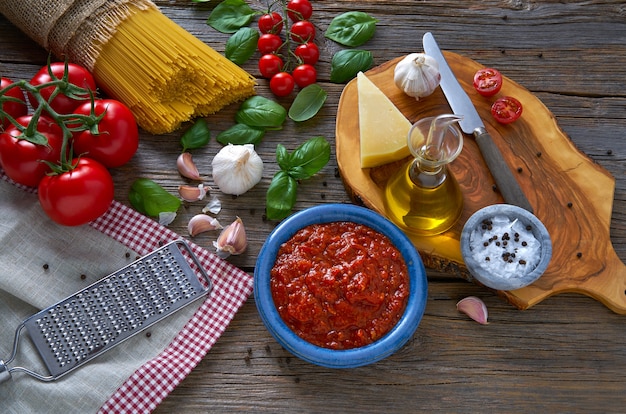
350	358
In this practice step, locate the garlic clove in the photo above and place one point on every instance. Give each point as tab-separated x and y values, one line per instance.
214	206
186	166
201	223
474	308
232	240
192	193
237	168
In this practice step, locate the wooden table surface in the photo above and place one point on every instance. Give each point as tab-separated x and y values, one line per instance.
566	354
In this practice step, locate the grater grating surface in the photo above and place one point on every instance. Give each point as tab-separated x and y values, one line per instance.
102	315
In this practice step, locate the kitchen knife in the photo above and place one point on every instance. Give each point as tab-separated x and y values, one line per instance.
471	123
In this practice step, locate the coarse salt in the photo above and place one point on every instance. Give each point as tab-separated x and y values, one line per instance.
505	248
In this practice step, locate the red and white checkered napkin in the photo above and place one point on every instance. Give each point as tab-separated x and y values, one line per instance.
152	382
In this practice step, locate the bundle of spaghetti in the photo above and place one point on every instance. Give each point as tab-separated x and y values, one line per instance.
163	73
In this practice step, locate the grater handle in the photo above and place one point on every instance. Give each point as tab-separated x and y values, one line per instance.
5	374
5	371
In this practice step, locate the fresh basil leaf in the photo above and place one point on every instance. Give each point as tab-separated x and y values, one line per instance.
197	136
351	28
230	16
347	63
308	102
241	45
281	196
309	158
240	134
261	112
151	199
283	158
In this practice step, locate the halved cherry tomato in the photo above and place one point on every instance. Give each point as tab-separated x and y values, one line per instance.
270	65
270	23
282	84
77	196
506	109
77	75
487	81
304	75
21	159
302	31
117	139
269	43
299	10
308	52
14	107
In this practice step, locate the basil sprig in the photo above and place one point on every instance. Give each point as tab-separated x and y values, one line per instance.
304	162
352	28
230	16
261	112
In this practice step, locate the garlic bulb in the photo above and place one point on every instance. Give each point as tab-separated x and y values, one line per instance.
237	168
417	75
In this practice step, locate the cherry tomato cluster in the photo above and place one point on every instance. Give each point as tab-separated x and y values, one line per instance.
37	149
276	52
488	82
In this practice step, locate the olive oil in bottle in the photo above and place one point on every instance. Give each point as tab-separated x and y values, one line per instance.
423	198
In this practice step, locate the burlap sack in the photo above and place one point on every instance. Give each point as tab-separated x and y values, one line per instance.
75	29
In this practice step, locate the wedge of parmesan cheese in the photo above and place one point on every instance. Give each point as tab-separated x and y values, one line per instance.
383	128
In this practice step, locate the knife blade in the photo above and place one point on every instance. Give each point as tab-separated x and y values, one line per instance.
472	124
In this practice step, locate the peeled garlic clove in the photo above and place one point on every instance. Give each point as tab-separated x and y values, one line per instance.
201	223
474	308
192	193
186	166
232	240
237	168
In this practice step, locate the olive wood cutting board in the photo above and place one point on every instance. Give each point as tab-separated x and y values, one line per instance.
570	194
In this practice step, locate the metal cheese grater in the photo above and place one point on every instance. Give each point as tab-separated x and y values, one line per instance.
104	314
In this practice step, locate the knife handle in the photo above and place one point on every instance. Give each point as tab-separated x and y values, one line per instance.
505	181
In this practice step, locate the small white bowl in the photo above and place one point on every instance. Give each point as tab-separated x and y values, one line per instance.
511	263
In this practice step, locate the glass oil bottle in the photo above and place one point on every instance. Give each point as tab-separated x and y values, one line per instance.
423	197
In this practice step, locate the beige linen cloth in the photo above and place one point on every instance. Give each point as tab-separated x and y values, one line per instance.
42	263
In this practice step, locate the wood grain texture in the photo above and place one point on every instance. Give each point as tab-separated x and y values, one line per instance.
565	354
570	193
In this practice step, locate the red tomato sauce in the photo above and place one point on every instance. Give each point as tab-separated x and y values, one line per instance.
339	285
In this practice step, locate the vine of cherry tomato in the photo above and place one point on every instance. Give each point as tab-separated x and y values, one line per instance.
276	62
65	148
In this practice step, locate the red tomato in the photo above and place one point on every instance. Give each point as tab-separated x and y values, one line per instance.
118	136
21	159
506	110
308	52
282	84
13	108
271	23
302	31
299	10
78	196
270	65
77	75
487	81
269	43
304	75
